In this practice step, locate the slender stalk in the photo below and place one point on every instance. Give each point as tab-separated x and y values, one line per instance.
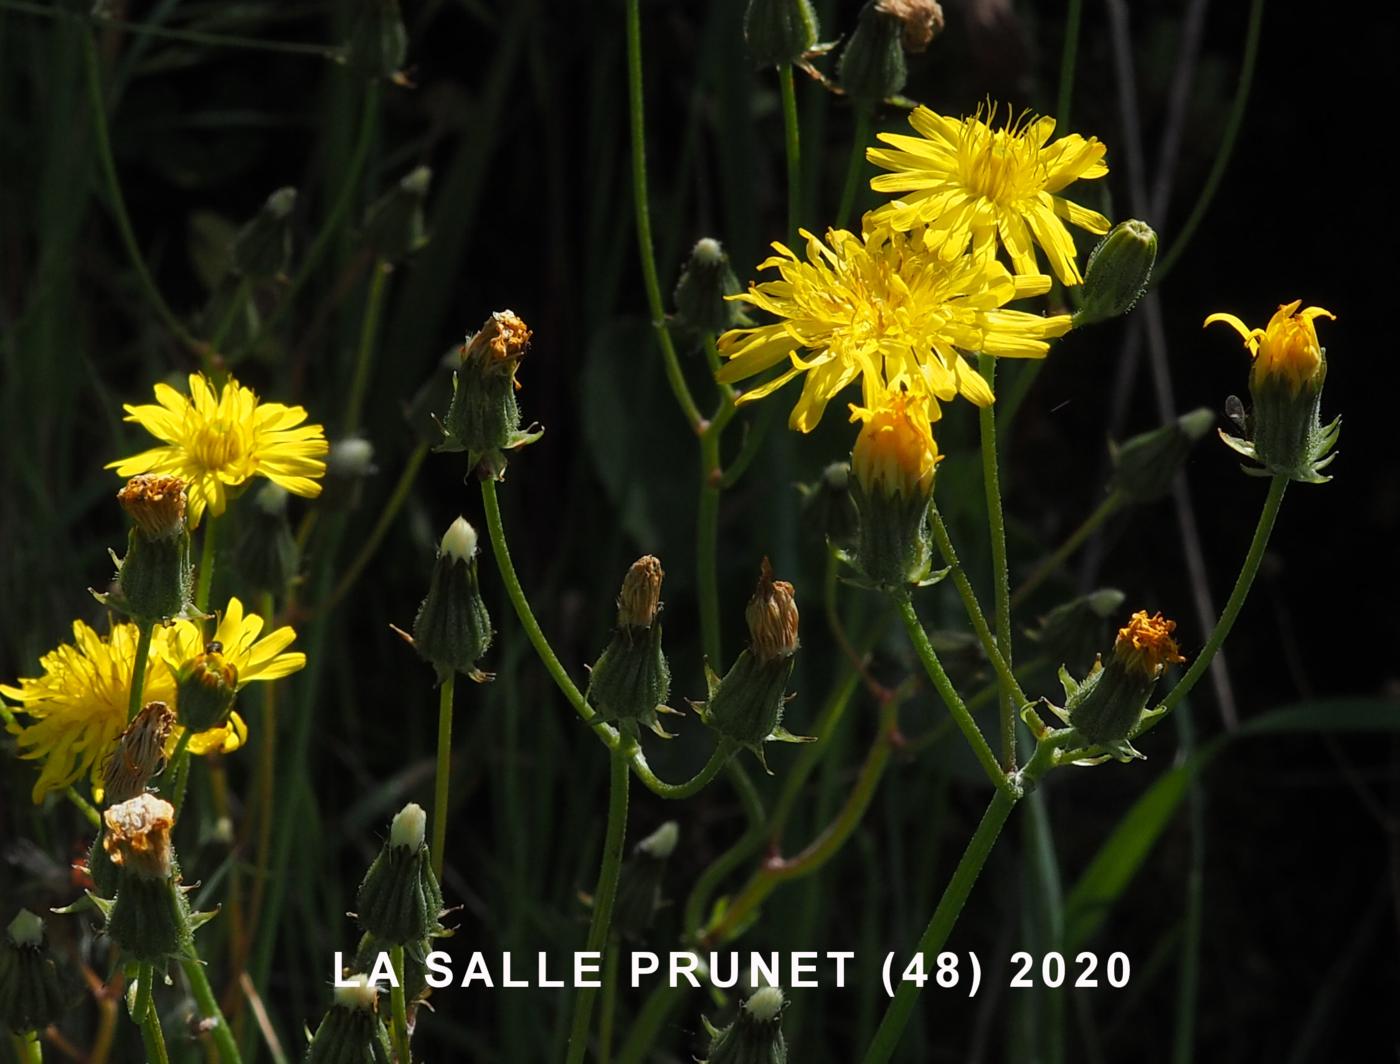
608	1016
1243	582
180	770
1001	577
236	304
266	788
444	772
1226	149
144	631
724	750
747	844
399	1009
364	358
1073	17
856	165
792	147
1005	676
93	67
205	580
27	1047
1111	504
145	1015
650	278
948	693
706	548
84	806
603	897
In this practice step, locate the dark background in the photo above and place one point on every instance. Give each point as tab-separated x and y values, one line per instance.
521	111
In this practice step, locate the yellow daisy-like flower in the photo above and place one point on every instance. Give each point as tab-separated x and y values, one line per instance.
895	451
973	184
218	439
1287	349
882	309
76	708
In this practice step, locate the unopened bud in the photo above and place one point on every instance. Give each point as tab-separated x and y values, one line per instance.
893	462
629	682
779	31
1074	631
756	1035
484	418
140	754
1108	704
872	66
1145	466
459	541
409	827
772	618
33	992
706	280
399	900
453	629
394	225
263	247
205	689
1117	272
351	1031
155	581
829	508
639	882
378	43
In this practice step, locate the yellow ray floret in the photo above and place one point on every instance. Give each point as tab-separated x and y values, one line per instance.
974	185
895	451
1287	349
73	713
218	439
880	309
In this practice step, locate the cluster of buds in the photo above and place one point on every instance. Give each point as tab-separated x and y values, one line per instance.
755	1036
33	992
399	901
872	66
1107	704
1283	431
629	682
484	418
639	882
453	629
155	581
745	708
351	1031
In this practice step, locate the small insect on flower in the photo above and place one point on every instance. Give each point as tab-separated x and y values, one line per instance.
218	439
974	184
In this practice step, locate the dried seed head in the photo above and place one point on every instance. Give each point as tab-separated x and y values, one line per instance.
459	541
409	827
156	503
921	21
764	1004
138	836
140	753
772	617
640	599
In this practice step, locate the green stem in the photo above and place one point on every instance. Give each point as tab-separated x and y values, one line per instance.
27	1047
213	1017
1106	509
724	750
84	806
792	148
747	844
1226	149
1001	577
145	1015
1068	55
706	549
855	166
650	278
1005	677
144	630
399	1008
205	580
236	304
381	528
603	897
608	1016
364	359
948	693
444	773
118	202
1243	582
180	770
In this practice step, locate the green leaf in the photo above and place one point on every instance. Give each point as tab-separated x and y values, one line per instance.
1328	715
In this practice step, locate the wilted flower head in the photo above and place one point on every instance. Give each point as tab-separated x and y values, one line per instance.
772	617
155	502
499	345
138	836
140	753
1145	645
640	598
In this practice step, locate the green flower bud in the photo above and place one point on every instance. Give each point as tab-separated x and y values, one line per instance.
1073	631
705	282
484	418
893	463
266	553
351	1031
829	507
779	31
872	66
150	918
746	706
1117	273
399	900
205	689
378	43
629	683
394	226
1107	704
453	630
1145	465
349	463
33	992
756	1035
155	581
263	247
639	883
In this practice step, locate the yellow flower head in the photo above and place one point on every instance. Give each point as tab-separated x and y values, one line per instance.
1287	348
217	440
895	452
1146	645
972	183
76	709
879	308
